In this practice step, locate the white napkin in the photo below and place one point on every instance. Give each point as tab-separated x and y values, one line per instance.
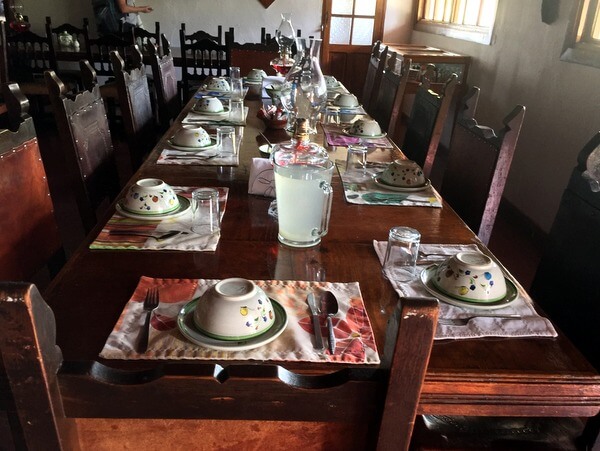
217	156
531	324
198	118
268	81
261	179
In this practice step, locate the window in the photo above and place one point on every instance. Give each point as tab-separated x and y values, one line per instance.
352	22
582	44
471	20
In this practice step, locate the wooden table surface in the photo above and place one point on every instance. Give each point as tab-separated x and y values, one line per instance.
522	377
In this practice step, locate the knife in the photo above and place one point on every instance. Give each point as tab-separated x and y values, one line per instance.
314	313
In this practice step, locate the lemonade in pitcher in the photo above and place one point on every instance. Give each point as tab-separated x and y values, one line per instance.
303	189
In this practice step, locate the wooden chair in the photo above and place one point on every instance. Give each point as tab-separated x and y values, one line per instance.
426	123
28	56
250	55
81	34
51	397
135	103
387	108
377	62
165	83
144	38
478	164
202	56
568	272
86	142
30	235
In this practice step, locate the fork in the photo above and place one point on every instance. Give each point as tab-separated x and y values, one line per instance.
150	304
464	321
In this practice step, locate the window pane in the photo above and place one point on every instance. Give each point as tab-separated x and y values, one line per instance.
365	7
341	7
363	31
596	26
471	13
340	30
488	13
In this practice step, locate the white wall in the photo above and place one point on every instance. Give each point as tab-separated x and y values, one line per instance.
522	66
246	16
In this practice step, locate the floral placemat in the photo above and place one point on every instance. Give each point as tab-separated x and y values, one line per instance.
336	137
361	188
354	336
531	324
217	156
182	240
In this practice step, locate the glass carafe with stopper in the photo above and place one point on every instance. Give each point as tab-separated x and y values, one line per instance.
306	89
303	190
284	35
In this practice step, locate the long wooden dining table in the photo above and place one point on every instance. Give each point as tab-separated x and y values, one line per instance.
542	377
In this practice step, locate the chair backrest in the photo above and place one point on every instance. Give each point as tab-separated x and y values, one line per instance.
202	56
377	62
387	108
135	103
87	145
144	38
30	235
199	36
32	361
28	56
165	83
250	55
478	164
414	322
34	416
54	42
426	123
98	51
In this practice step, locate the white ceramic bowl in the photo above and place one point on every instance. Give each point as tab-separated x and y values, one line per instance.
331	82
365	127
150	196
346	99
234	309
209	105
218	84
256	74
470	276
191	136
403	173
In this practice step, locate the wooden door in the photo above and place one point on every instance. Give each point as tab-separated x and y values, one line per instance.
349	29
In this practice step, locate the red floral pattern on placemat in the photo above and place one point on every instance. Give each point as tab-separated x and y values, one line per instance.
354	336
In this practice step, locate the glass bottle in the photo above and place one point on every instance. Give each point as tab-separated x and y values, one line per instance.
284	36
306	88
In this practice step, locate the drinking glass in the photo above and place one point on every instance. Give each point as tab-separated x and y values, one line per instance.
227	139
401	254
356	160
206	217
236	110
234	73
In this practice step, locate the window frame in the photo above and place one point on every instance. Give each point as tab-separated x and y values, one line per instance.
473	33
582	49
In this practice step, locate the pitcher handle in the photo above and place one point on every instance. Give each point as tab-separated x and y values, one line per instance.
326	213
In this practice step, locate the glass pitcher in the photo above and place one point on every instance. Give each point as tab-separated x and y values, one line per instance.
303	189
306	91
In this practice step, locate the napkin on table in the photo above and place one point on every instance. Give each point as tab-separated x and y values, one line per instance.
354	336
336	137
186	241
261	180
360	189
531	325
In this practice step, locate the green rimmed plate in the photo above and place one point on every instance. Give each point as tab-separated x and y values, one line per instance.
184	206
511	293
185	322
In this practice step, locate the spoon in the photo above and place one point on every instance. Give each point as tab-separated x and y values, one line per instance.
330	304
